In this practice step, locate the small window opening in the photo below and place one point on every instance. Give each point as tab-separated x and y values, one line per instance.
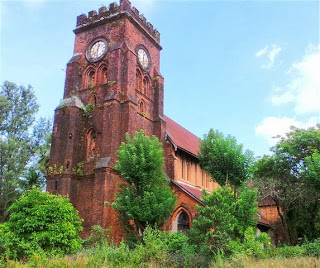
91	143
67	165
182	169
141	107
93	100
104	75
70	136
56	184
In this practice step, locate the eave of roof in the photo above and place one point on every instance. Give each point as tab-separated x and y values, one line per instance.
182	138
193	192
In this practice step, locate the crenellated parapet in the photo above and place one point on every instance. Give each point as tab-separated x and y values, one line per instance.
114	9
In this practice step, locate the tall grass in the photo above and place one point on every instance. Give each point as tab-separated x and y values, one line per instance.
247	262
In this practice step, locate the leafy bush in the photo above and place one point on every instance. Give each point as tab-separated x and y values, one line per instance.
290	251
313	248
41	223
252	244
98	235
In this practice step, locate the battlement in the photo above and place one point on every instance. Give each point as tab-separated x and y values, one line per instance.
114	9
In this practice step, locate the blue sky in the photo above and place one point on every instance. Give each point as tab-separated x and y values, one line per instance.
248	68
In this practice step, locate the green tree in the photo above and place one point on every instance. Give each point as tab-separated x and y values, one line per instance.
224	159
32	178
289	177
20	139
41	223
145	198
223	219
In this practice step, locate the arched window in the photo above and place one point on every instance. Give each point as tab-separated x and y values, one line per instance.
146	86
103	75
141	107
183	221
93	100
138	80
91	78
91	143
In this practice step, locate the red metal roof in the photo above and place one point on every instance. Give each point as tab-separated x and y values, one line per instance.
181	137
191	190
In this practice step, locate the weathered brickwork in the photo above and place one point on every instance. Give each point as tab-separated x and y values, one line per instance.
109	92
85	139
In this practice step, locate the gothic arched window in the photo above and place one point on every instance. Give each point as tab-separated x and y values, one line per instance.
138	80
103	75
183	221
91	143
93	100
90	78
146	86
141	107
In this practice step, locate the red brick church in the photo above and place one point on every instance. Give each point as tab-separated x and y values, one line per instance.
114	86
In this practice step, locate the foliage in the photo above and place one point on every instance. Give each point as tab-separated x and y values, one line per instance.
290	178
145	198
98	236
246	210
32	178
225	159
223	219
88	110
252	245
41	223
312	248
20	139
78	169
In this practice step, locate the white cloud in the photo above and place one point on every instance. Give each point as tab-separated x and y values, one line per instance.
273	127
304	87
303	91
262	52
270	52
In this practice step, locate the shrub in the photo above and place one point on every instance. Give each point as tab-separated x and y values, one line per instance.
41	223
291	251
98	235
252	244
313	248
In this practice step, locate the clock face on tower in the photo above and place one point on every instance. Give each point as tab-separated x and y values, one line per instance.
144	59
97	49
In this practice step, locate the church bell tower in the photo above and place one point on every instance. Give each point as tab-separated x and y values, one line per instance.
113	86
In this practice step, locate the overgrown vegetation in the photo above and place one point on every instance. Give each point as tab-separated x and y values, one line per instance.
23	142
146	198
40	228
291	178
41	224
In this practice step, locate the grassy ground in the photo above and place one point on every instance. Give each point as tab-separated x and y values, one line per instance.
299	262
79	261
